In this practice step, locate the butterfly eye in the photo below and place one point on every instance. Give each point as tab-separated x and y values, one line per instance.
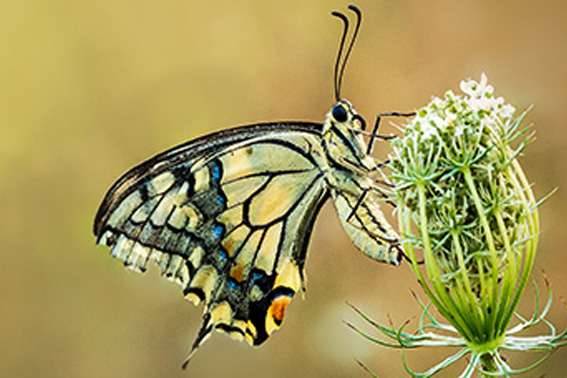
339	113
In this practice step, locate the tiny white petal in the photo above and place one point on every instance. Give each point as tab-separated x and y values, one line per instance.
483	80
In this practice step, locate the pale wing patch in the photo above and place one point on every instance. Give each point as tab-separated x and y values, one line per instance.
179	218
144	211
238	190
269	249
138	256
262	158
222	313
278	197
164	209
201	178
197	256
248	251
233	242
231	218
205	280
161	183
289	276
124	210
194	216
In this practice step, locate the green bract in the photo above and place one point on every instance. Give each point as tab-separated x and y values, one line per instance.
465	203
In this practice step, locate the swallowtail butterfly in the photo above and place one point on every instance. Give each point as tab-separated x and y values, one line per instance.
229	215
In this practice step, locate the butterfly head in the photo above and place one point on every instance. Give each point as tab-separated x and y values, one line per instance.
343	112
343	128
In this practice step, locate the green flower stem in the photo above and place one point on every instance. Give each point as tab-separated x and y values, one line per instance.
491	303
519	181
506	303
442	301
488	365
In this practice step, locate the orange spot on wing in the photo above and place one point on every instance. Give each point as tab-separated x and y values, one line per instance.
237	273
277	308
230	245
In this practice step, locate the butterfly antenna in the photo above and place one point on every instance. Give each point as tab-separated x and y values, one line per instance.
339	52
358	13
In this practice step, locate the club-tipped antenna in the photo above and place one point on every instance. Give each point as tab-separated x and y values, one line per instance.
340	67
340	51
352	40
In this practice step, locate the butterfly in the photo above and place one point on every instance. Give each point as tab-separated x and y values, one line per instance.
229	215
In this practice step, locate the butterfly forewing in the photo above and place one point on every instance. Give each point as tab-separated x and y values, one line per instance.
228	218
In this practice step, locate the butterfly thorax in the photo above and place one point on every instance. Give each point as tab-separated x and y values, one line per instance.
356	194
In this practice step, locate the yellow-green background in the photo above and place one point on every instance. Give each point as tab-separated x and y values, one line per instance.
89	88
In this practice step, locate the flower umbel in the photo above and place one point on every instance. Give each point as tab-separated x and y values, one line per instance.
464	201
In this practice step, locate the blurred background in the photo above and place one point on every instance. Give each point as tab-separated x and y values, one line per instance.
88	89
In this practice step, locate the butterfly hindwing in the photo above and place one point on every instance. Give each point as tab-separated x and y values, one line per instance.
228	217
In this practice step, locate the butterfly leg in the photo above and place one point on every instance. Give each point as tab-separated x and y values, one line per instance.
375	134
385	197
355	207
380	165
393	242
403	255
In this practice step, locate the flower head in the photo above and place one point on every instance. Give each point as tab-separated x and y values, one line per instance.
465	203
458	181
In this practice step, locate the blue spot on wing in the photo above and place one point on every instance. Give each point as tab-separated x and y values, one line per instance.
259	279
216	171
290	295
257	276
221	200
223	254
218	231
232	284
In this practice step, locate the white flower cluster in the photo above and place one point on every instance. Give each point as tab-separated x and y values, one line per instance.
481	98
446	115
